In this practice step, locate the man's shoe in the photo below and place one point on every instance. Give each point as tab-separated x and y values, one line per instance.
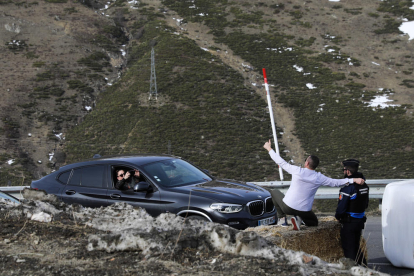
296	223
282	222
301	221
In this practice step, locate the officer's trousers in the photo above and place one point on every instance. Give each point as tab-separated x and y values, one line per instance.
308	217
350	239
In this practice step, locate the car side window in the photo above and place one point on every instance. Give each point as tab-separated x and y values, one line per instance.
76	177
93	176
64	177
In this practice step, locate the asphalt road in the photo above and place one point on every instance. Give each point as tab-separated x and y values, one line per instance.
376	256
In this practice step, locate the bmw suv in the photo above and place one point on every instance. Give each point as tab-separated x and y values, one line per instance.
167	184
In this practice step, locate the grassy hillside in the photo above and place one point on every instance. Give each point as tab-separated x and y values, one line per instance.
203	113
325	62
332	120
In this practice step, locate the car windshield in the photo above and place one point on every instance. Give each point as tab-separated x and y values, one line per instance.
175	172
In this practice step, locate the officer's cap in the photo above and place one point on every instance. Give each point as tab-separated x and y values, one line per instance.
351	163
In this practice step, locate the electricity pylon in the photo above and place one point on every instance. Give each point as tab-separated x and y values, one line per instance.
153	80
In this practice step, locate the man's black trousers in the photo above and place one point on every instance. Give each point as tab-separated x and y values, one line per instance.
308	217
350	239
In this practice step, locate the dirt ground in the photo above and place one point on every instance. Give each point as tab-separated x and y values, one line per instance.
36	38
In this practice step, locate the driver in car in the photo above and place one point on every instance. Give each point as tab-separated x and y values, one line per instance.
124	182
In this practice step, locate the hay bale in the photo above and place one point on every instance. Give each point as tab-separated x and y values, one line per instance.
323	241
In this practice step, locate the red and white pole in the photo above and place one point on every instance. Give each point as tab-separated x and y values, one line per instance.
269	102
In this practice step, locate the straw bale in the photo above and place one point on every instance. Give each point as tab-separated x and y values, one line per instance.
323	241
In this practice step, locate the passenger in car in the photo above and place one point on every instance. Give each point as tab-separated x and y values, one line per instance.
125	181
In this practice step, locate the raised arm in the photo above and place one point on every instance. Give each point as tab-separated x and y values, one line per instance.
280	161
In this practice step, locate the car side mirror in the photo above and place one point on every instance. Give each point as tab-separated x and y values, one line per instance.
142	187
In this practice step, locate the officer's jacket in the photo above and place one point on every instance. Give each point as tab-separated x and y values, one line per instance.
353	200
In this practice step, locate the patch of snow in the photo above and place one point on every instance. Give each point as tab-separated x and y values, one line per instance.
11	161
310	86
381	101
51	156
42	217
247	66
408	28
320	109
281	49
298	68
133	4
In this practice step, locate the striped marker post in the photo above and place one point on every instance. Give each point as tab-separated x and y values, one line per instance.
269	102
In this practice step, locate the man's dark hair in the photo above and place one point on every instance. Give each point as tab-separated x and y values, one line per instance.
351	164
352	169
313	162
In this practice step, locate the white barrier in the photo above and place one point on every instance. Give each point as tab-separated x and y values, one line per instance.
398	223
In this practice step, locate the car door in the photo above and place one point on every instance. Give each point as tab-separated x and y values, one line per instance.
86	186
149	200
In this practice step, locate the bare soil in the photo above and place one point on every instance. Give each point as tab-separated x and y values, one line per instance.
36	38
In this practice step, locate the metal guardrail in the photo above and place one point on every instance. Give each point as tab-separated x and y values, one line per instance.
376	188
15	191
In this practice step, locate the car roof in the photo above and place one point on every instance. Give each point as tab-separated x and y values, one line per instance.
138	160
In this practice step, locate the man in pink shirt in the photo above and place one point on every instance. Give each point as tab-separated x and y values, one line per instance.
298	199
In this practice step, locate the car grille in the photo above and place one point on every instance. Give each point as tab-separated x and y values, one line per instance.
269	205
258	207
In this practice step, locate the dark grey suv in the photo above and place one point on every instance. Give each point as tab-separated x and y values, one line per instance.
166	184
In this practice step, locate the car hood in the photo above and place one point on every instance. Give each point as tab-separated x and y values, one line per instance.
226	191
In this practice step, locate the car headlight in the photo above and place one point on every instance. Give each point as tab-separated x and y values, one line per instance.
226	208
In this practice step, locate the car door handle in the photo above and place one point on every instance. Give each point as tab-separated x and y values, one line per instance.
70	192
115	196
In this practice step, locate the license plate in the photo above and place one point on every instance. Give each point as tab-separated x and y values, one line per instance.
267	221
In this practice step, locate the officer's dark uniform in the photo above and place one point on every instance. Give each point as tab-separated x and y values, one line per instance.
353	200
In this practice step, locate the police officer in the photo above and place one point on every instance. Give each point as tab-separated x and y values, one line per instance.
353	200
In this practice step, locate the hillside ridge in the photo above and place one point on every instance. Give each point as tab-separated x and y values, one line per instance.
72	70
